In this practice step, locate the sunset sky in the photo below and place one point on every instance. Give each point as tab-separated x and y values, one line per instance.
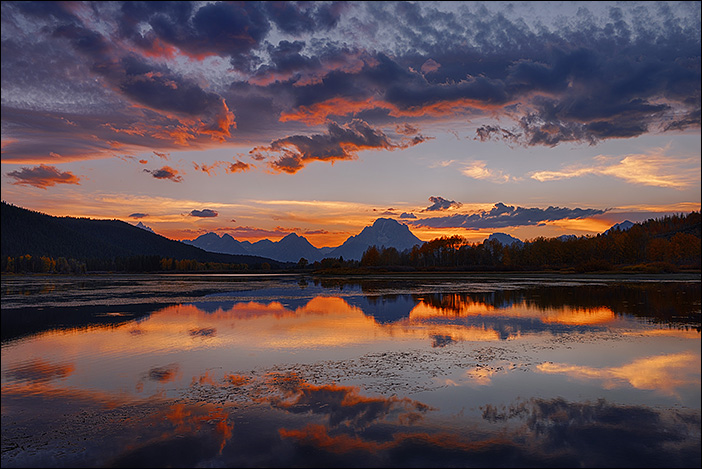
259	119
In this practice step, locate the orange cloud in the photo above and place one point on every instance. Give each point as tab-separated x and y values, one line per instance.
43	176
239	166
318	436
318	113
221	123
192	419
166	173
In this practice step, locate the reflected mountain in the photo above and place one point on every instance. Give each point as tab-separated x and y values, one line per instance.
385	309
509	312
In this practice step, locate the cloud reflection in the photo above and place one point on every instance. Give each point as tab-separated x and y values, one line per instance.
602	434
39	371
663	373
343	404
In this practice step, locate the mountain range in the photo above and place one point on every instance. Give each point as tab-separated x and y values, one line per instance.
26	232
384	232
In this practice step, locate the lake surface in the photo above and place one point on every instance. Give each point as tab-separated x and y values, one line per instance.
379	371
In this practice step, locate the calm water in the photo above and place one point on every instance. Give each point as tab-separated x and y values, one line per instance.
398	371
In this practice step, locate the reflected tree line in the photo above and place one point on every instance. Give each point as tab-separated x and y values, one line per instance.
664	303
675	303
661	303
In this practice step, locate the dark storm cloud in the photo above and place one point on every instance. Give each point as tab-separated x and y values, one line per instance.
585	81
204	213
165	173
501	216
43	176
624	72
439	203
220	28
292	153
160	89
304	17
140	80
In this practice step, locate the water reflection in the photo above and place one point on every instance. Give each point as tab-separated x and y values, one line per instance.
507	312
665	373
374	374
293	423
38	371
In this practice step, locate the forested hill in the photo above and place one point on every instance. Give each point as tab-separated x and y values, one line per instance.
26	232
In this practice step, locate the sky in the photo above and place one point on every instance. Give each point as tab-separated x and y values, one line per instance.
261	119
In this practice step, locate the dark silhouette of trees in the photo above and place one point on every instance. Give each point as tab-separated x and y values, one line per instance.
663	245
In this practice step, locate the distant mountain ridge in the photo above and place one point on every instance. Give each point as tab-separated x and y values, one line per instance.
623	226
505	239
26	232
385	232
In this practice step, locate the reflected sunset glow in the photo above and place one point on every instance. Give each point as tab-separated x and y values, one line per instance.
663	373
247	371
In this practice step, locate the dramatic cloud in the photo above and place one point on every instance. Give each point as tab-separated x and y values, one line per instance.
42	176
138	215
204	213
292	153
439	203
501	216
239	166
165	173
135	76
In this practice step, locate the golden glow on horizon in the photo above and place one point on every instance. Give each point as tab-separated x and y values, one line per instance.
274	325
322	222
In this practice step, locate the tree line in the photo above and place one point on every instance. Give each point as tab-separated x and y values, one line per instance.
665	244
131	264
657	245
